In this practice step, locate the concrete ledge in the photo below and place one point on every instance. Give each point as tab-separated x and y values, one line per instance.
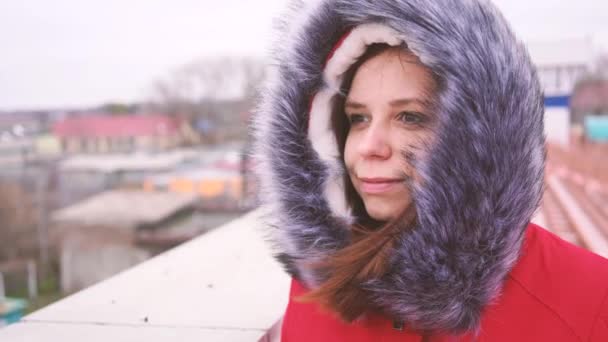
221	286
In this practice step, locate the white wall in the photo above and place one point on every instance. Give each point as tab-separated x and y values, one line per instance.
557	125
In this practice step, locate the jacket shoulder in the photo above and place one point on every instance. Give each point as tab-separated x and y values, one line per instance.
571	282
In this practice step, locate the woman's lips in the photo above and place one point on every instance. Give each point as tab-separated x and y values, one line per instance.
379	185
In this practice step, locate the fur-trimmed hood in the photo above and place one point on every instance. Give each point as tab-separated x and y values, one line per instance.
480	182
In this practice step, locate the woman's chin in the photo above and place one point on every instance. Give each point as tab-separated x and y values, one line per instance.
386	209
381	213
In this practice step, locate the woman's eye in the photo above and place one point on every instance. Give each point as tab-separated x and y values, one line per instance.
412	118
356	118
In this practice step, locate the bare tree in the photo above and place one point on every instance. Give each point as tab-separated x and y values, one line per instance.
254	74
195	91
601	65
17	221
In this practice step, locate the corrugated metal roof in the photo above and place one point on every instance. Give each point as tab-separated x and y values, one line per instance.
124	208
116	126
129	162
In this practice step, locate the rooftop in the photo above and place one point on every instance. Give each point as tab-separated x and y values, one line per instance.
109	163
127	208
116	126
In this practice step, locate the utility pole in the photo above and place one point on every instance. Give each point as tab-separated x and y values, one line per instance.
42	183
243	172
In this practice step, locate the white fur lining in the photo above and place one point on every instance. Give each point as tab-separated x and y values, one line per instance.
319	129
353	47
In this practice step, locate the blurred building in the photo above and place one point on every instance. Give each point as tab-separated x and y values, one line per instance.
590	97
561	65
589	107
117	133
222	188
20	141
225	183
80	176
14	125
115	230
14	153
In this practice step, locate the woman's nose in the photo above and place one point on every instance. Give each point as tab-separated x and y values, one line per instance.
374	143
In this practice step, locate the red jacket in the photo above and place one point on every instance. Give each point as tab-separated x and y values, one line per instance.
556	292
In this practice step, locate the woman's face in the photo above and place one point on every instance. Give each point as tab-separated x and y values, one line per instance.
388	111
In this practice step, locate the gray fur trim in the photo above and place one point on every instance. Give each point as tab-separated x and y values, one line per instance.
482	177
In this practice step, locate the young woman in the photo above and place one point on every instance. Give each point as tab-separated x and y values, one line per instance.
401	157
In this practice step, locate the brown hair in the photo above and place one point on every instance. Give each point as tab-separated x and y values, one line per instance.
366	256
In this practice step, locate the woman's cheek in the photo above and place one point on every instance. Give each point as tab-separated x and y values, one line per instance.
348	153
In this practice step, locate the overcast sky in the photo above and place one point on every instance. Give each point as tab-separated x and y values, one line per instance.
64	53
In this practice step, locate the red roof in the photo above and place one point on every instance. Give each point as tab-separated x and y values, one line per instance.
116	126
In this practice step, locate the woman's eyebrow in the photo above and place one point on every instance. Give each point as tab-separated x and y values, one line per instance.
354	105
407	101
393	103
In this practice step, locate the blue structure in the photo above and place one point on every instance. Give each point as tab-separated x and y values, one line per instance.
596	128
11	310
557	101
